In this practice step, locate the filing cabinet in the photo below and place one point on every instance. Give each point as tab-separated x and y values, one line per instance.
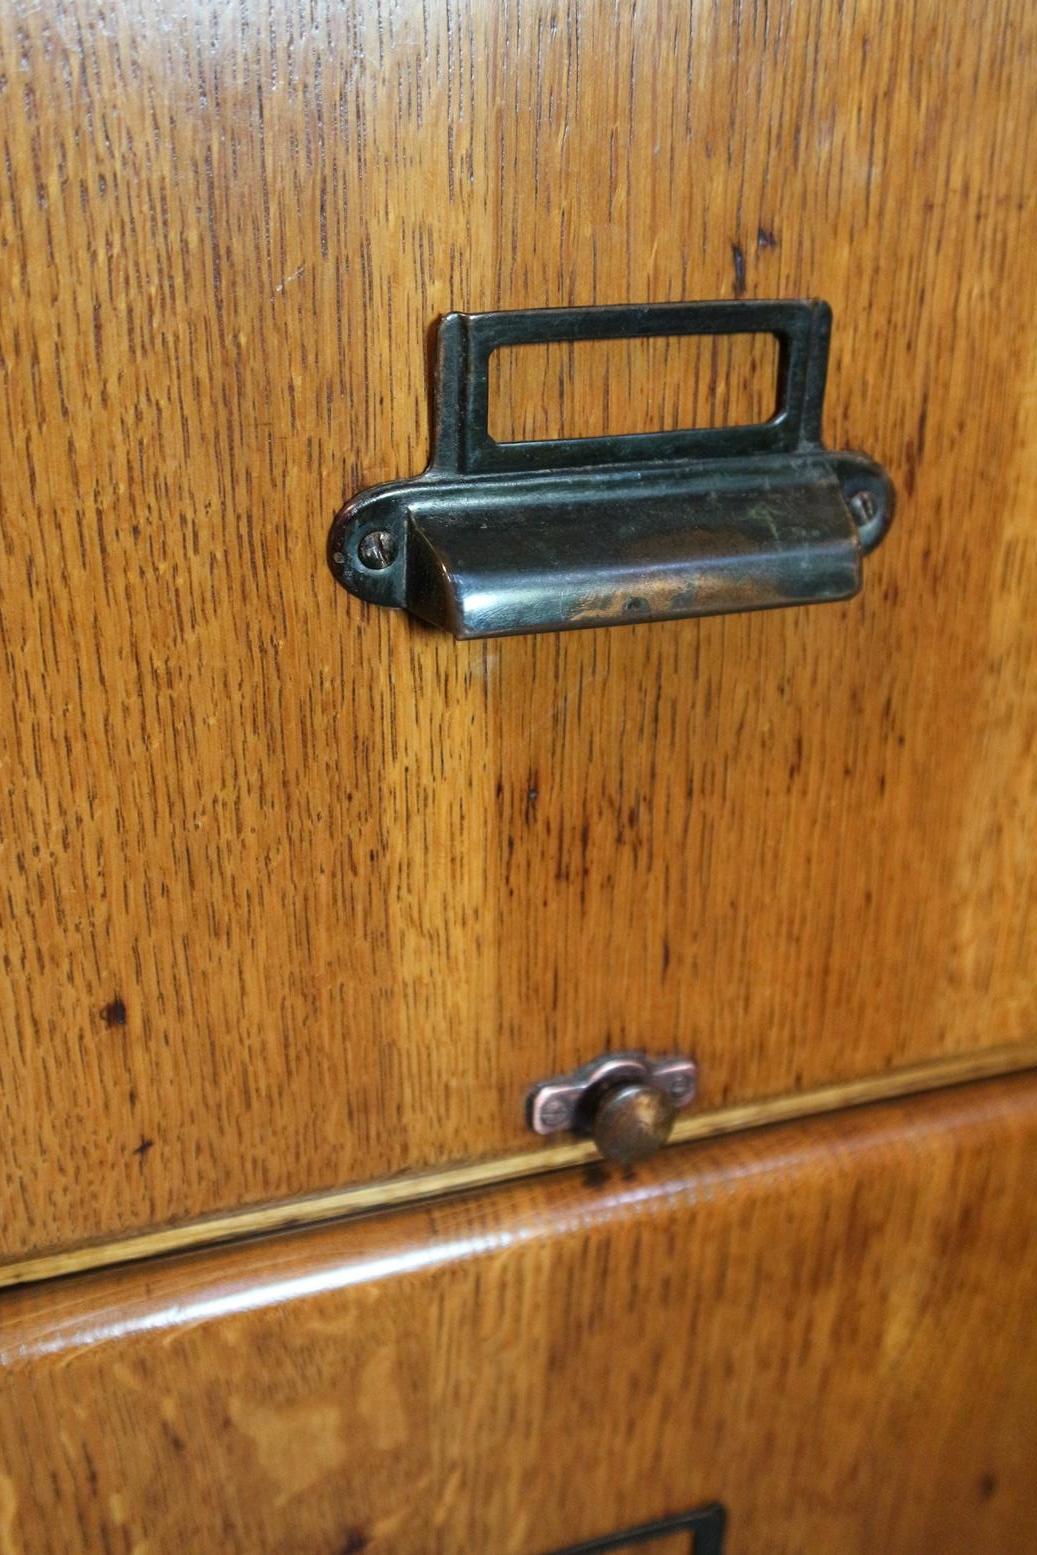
302	896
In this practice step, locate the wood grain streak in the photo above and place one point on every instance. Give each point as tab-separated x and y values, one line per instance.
828	1326
296	895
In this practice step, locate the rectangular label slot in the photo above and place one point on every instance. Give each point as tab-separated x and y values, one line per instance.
608	388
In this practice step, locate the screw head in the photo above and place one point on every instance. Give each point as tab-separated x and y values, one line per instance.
863	506
554	1113
377	549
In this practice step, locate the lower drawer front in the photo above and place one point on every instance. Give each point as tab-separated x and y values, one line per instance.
826	1327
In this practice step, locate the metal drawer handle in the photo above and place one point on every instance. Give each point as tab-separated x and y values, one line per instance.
499	538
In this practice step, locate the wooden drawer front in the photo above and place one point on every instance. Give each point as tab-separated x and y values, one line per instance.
297	894
827	1327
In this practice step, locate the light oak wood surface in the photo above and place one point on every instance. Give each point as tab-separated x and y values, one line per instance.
828	1326
298	895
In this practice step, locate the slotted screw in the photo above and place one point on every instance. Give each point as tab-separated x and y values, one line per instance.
377	549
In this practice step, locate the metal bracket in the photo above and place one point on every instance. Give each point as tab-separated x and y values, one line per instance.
499	538
565	1102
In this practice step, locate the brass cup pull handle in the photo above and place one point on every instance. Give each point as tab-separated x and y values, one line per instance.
502	538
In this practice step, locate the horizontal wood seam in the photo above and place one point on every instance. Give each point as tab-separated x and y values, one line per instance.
403	1192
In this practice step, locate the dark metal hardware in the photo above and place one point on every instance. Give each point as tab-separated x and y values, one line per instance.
499	538
626	1102
706	1527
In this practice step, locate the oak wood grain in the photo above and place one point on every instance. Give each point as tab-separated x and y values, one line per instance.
297	894
602	388
827	1326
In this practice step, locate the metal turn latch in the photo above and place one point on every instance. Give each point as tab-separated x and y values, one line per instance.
498	538
626	1102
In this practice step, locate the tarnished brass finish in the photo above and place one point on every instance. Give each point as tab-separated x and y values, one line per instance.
632	1121
498	538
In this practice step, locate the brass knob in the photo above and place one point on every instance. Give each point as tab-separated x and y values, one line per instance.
631	1121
